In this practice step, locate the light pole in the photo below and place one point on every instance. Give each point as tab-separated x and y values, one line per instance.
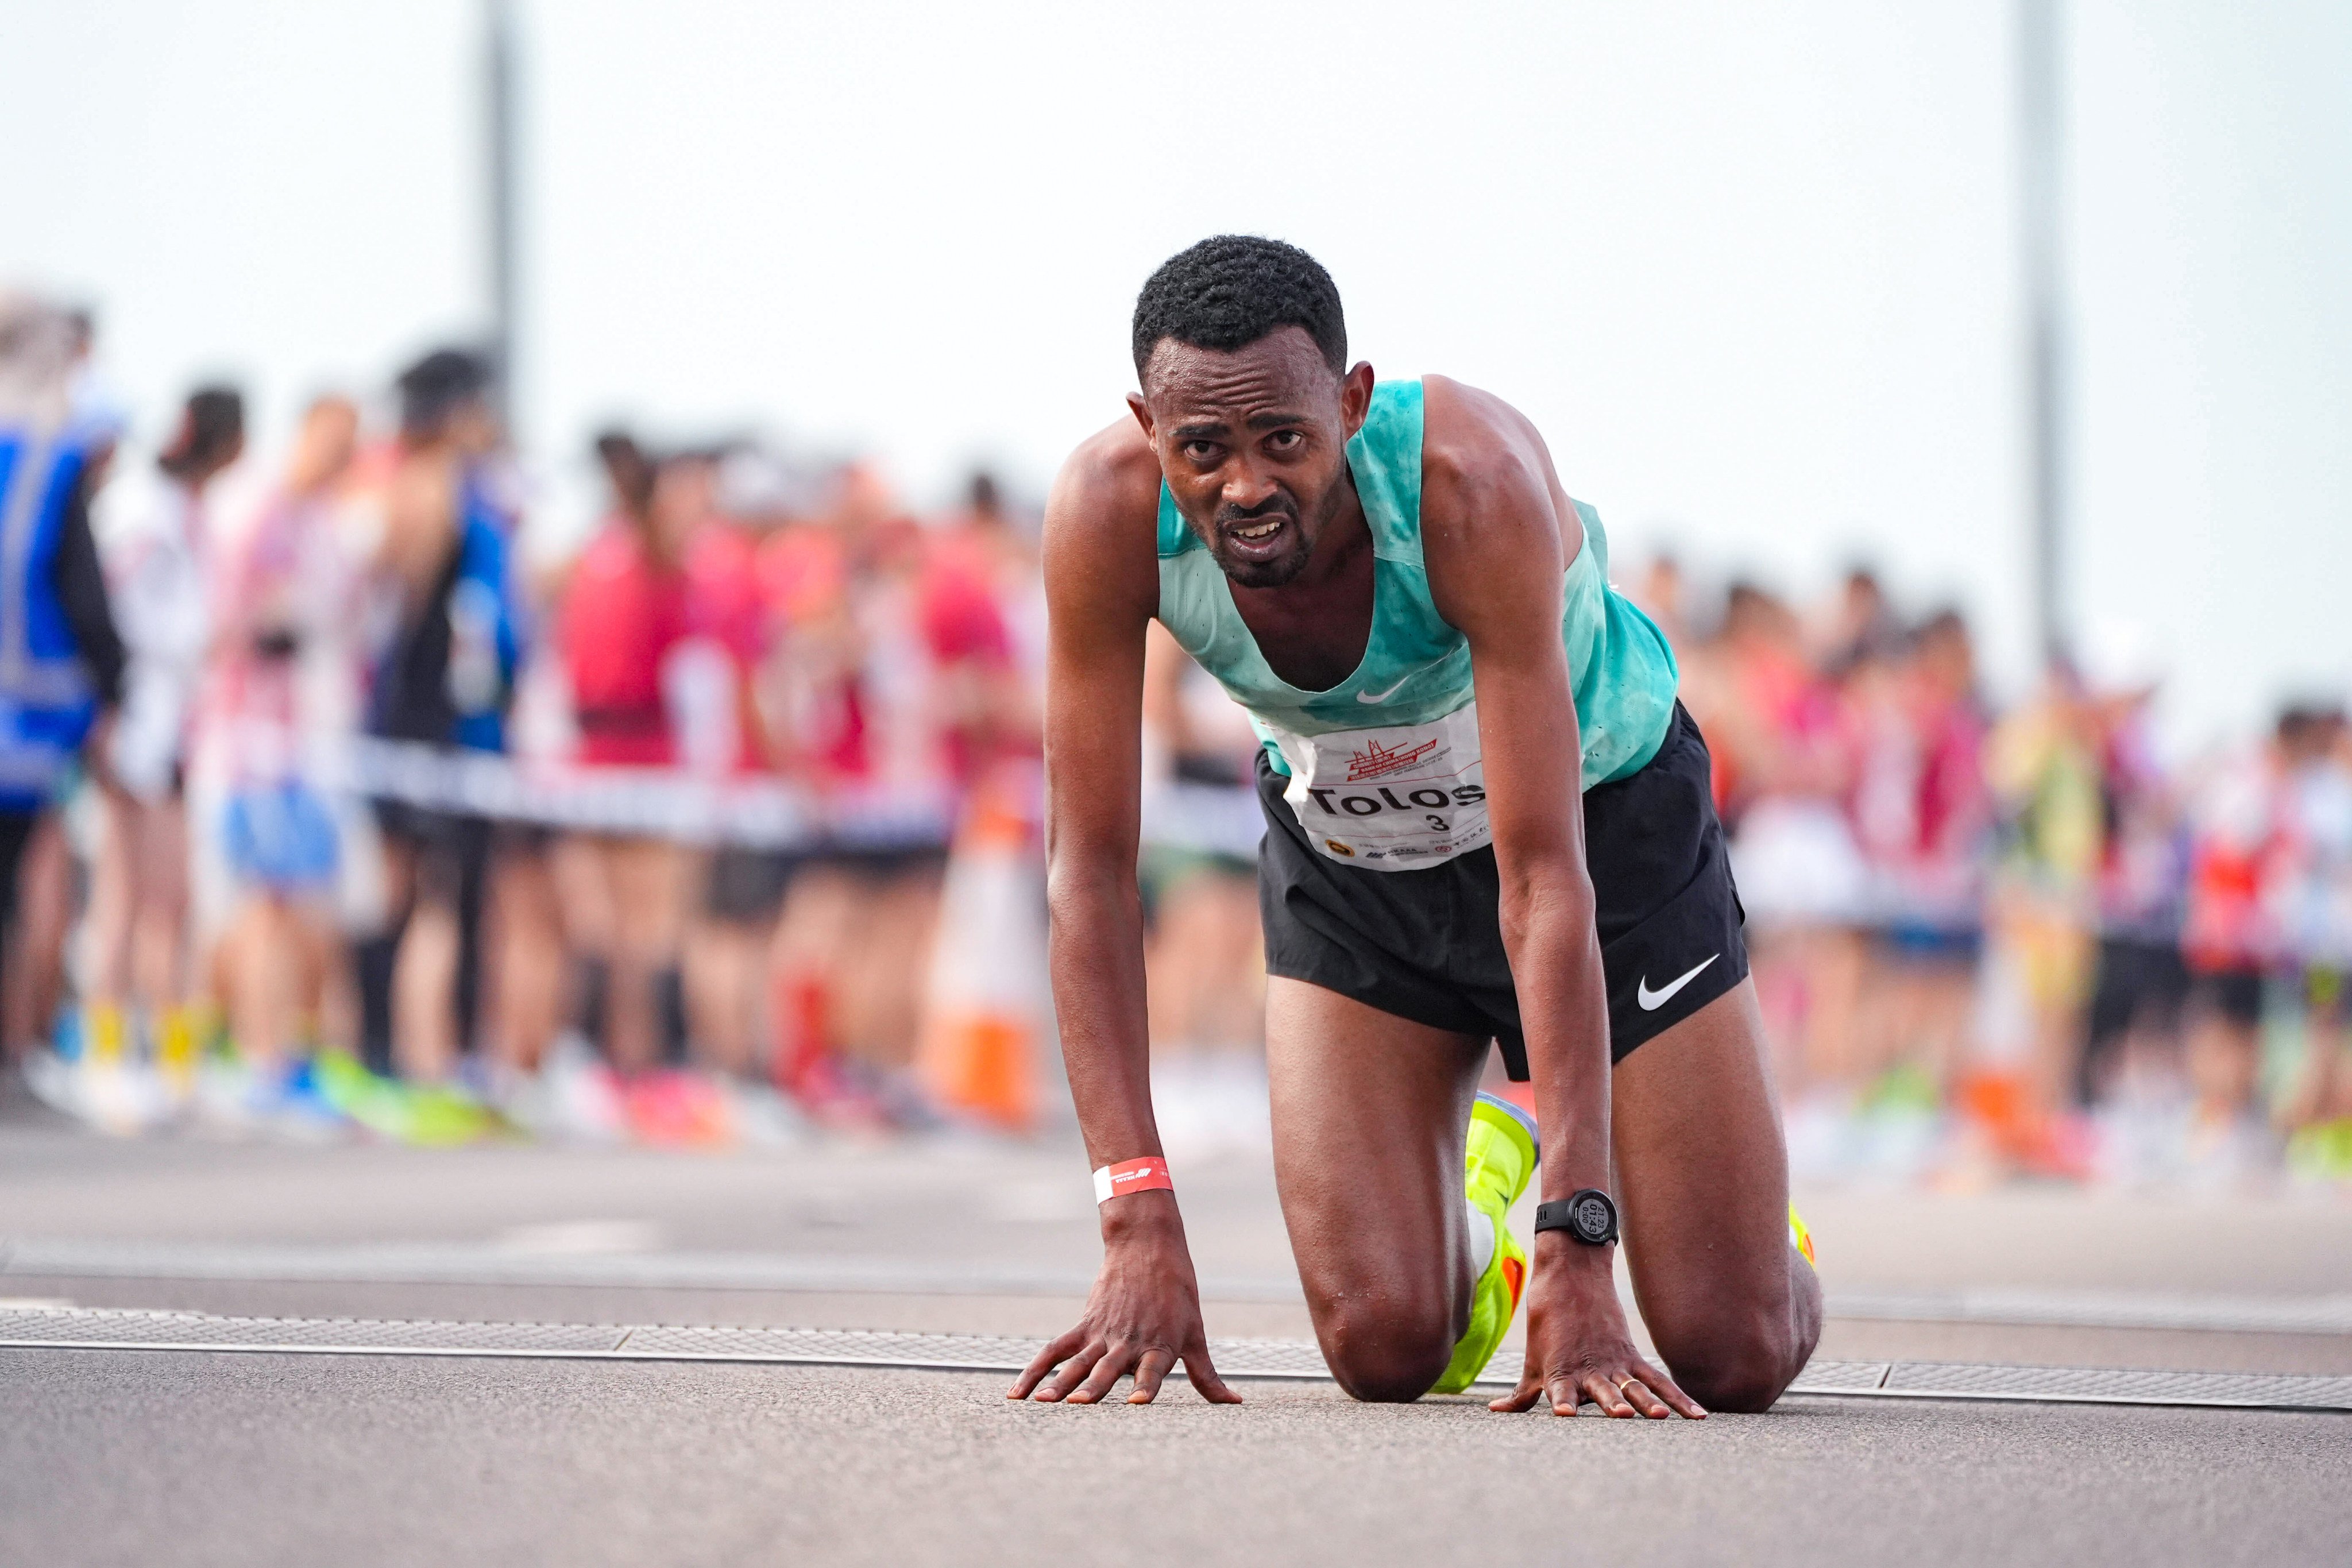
2040	112
498	126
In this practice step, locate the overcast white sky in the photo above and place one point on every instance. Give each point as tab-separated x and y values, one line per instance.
1751	268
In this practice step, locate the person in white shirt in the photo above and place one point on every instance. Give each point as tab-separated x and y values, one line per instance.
156	537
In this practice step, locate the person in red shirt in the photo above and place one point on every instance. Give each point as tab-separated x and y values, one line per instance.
887	676
2242	852
729	628
623	616
832	694
979	709
624	612
984	617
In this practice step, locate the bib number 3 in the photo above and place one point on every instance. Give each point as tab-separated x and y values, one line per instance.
1393	798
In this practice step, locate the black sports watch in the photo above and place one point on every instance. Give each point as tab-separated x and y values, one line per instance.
1590	1217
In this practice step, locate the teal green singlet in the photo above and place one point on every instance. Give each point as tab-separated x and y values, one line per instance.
1384	767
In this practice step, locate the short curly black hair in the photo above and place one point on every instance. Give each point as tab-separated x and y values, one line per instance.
440	383
1230	289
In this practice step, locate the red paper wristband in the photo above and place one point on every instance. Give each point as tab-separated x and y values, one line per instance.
1149	1175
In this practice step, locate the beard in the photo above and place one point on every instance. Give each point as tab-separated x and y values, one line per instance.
1271	571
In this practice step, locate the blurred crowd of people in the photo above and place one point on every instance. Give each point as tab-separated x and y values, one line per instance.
2014	940
337	789
255	884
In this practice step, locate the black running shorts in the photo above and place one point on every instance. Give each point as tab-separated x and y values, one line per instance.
1427	945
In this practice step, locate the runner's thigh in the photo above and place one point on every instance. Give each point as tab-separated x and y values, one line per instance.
1703	1179
1369	1117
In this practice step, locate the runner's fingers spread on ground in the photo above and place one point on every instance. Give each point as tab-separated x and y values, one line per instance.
1599	1388
1148	1372
1204	1377
1524	1397
1117	1360
1046	1361
1565	1393
1663	1387
1074	1372
1638	1395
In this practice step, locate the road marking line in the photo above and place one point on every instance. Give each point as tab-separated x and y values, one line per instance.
473	1263
1270	1360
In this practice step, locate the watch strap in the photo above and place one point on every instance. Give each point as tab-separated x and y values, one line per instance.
1589	1216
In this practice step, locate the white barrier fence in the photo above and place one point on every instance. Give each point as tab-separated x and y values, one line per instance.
746	812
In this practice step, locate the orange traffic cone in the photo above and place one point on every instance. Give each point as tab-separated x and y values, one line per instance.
983	1014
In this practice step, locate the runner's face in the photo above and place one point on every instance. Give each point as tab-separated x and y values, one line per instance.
1253	443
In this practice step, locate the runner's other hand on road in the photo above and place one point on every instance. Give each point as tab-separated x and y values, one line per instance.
1578	1346
1143	1317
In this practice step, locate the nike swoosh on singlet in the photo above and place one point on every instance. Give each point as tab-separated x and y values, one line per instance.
1391	691
1651	1001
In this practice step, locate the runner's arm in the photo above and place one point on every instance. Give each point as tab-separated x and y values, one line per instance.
1498	535
1102	587
1099	604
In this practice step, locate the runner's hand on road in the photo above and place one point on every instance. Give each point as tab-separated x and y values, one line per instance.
1578	1346
1144	1316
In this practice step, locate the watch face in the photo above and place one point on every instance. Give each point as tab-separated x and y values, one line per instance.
1591	1217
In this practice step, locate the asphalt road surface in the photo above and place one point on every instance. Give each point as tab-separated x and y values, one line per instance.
166	1456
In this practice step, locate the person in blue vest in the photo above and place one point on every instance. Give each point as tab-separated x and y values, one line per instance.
444	682
1487	824
61	661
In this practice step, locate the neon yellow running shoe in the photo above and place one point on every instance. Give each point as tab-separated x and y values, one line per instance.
432	1115
1499	1163
1801	1236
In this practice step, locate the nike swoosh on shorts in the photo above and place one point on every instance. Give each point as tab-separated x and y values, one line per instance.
1651	1001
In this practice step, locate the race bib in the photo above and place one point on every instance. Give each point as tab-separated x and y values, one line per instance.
1393	798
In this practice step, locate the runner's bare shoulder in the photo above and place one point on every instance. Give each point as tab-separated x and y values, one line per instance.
1488	486
1102	525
